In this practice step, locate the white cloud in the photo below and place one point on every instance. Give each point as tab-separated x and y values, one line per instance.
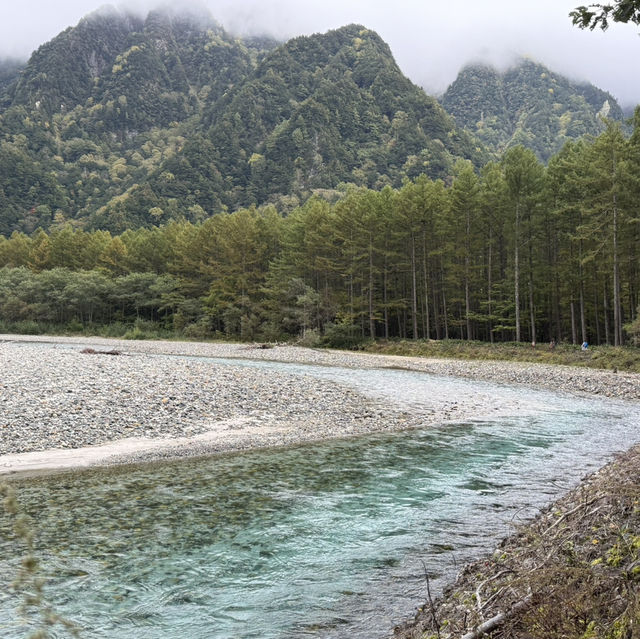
431	40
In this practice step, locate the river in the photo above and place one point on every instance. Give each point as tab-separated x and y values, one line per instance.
326	540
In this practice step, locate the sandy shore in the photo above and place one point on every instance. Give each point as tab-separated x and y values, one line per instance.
61	408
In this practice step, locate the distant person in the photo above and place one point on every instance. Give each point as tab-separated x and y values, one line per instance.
585	346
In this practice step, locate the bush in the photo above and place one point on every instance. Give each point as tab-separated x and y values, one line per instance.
27	327
74	326
198	330
345	336
145	329
310	338
272	332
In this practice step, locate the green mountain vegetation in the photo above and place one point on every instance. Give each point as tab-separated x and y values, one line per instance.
521	252
359	209
529	105
122	122
99	108
9	71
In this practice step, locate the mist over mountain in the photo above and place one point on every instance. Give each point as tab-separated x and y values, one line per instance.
129	120
527	104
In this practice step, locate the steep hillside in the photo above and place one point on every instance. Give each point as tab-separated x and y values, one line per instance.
97	109
124	121
527	104
132	74
322	110
9	73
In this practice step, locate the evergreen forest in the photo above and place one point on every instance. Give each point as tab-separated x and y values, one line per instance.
518	252
160	176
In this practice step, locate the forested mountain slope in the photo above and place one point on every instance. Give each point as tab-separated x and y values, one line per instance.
527	104
123	121
102	105
135	73
9	71
332	108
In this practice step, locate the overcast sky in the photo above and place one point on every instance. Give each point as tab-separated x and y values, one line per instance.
431	40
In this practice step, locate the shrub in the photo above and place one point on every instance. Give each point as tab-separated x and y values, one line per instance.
345	336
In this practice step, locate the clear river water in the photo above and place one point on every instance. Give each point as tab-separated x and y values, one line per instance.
326	540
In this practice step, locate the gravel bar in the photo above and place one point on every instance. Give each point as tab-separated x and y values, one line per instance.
61	398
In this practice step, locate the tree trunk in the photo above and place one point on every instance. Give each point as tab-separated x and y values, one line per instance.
427	329
436	316
532	310
617	306
414	288
489	286
384	300
444	303
532	313
605	305
583	319
516	271
372	324
596	313
467	301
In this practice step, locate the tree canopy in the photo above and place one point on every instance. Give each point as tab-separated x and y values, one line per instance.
517	251
599	15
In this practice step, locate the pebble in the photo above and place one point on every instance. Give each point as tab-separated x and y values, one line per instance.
58	397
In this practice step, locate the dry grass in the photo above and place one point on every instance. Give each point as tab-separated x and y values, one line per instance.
625	358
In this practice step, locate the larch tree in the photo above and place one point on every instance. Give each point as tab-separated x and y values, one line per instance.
523	175
464	208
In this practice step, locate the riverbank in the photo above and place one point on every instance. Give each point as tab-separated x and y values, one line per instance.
64	408
602	356
573	572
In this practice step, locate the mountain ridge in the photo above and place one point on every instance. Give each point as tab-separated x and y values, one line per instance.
123	115
126	120
526	104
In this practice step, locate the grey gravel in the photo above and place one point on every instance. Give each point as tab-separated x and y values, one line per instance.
58	397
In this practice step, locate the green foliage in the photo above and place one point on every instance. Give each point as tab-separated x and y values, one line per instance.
516	253
123	122
527	104
598	15
343	336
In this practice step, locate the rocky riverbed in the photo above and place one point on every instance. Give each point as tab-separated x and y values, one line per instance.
136	405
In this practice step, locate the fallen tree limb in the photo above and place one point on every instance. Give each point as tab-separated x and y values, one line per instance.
482	584
498	620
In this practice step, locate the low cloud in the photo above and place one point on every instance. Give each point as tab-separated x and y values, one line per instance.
431	41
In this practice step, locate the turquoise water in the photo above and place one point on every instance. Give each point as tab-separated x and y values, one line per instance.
324	540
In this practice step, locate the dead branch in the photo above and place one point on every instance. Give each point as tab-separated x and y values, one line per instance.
499	619
431	604
482	584
570	512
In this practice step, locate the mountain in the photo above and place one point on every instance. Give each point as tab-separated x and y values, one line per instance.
527	104
126	121
97	109
133	73
9	72
326	109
